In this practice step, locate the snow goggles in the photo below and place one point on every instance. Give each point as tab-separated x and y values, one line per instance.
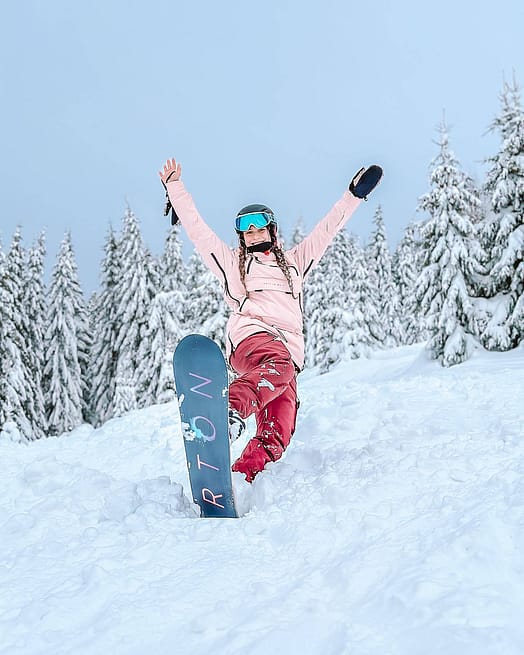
256	219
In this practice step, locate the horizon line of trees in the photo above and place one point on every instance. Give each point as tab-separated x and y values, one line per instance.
455	280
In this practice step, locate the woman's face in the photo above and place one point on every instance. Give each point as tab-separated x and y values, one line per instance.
256	235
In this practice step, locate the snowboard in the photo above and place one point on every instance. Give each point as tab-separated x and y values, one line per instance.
201	383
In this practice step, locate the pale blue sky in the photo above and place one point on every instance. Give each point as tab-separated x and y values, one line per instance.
277	102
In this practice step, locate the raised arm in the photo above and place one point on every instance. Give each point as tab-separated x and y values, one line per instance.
309	251
216	253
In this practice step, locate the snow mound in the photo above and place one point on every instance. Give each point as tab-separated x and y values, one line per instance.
393	524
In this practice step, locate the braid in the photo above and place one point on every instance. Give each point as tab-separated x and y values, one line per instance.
279	256
242	256
282	264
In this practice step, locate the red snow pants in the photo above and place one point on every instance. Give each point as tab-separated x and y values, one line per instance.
266	387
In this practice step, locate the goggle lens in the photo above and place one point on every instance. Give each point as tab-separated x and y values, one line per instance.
258	220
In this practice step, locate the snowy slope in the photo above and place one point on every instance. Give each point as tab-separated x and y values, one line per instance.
394	525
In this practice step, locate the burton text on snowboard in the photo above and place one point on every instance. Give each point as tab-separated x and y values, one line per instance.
202	389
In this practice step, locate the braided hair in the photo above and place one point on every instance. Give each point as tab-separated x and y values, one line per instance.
279	256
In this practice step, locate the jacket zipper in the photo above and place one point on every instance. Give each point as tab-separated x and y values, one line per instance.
226	285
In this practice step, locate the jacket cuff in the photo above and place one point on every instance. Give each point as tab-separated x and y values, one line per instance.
351	200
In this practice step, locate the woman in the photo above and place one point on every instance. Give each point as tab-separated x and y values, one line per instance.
263	286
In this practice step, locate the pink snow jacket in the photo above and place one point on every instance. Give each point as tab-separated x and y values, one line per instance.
269	306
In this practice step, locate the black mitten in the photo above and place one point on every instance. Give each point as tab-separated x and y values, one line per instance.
365	181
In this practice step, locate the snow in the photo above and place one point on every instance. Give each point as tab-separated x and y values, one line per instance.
393	525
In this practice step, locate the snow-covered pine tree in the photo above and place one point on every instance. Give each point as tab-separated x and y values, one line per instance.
207	312
14	383
165	326
316	308
196	307
172	269
387	298
357	339
504	232
91	305
85	342
103	355
134	293
298	233
145	370
447	238
369	333
326	300
406	269
371	299
34	317
64	386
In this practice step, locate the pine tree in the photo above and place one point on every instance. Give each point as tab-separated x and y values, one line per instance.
214	326
34	316
103	355
328	316
357	338
155	373
316	310
145	371
173	272
337	270
504	232
298	233
165	326
14	383
442	287
207	312
406	269
63	375
84	344
134	292
368	330
87	370
341	318
196	308
387	298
